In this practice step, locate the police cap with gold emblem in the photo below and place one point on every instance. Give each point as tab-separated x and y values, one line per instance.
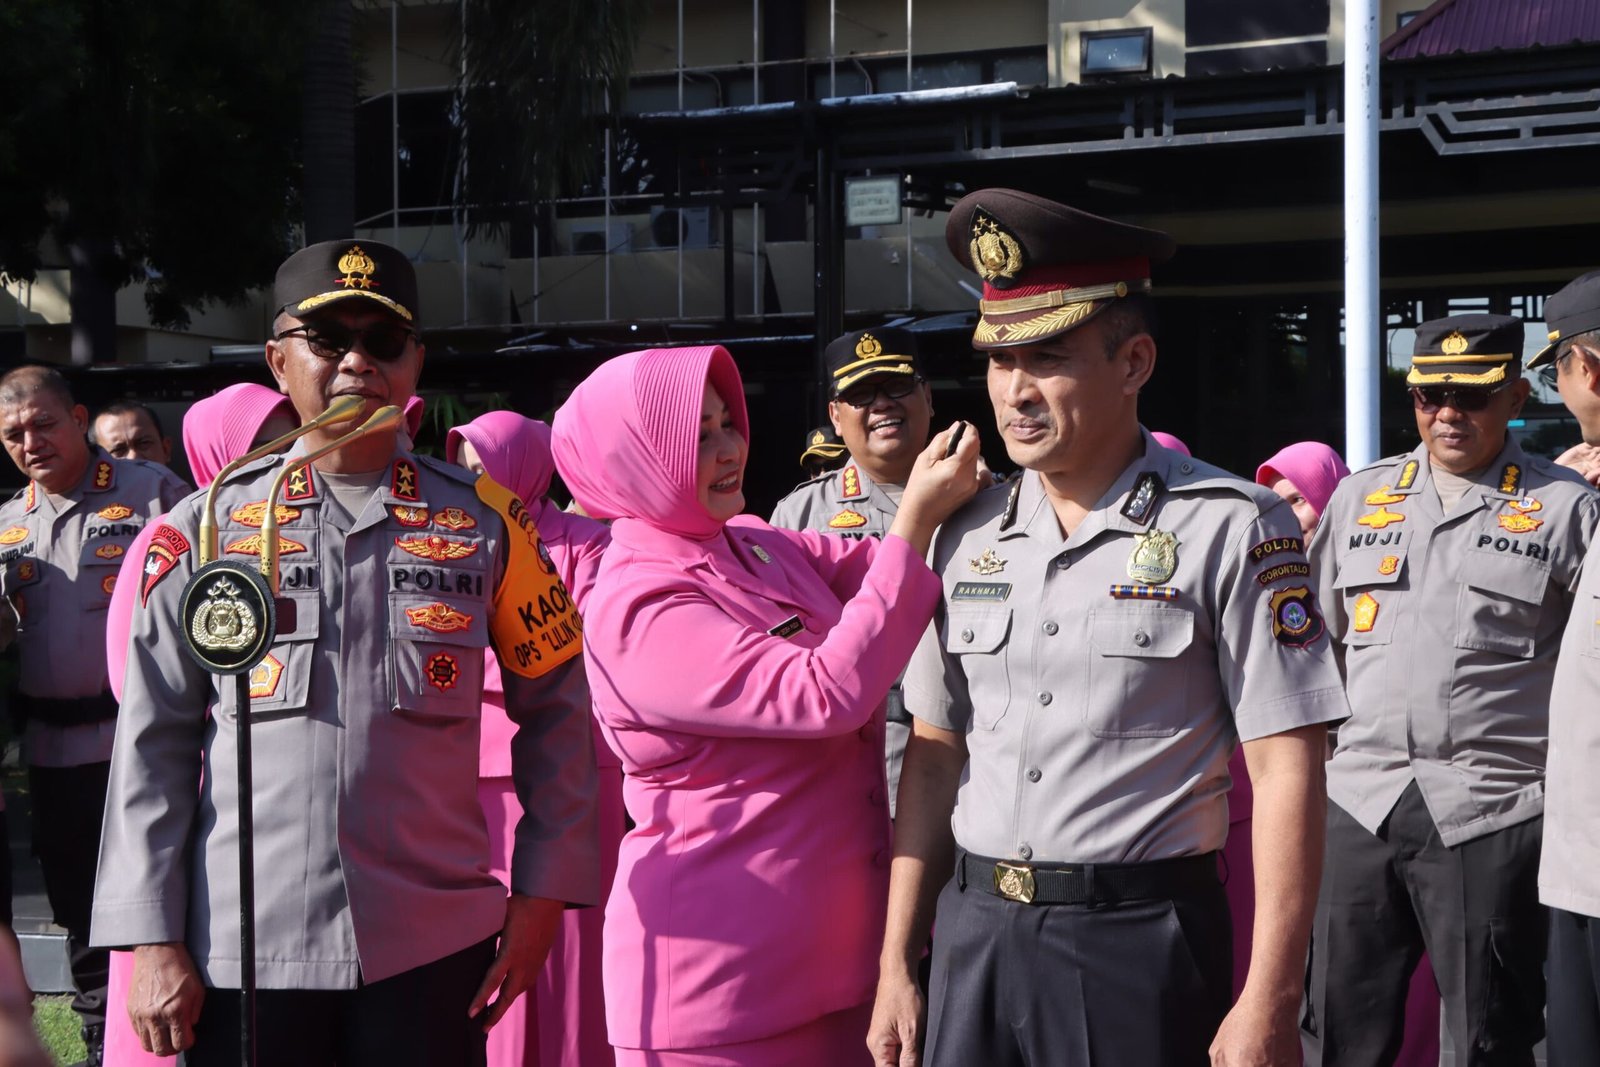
885	351
1046	267
1466	350
823	445
330	271
1573	310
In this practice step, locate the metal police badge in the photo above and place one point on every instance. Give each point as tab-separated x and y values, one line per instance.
228	617
1154	557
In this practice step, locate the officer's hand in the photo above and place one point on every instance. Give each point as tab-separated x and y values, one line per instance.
938	485
531	924
1585	459
164	998
895	1036
1256	1035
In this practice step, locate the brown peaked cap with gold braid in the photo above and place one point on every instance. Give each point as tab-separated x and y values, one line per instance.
885	351
1466	350
329	271
1046	268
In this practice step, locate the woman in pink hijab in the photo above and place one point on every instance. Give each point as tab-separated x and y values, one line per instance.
1305	474
216	431
740	673
561	1023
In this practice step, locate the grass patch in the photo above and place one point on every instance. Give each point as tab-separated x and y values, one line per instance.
59	1028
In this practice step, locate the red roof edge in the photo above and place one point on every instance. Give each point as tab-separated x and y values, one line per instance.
1414	27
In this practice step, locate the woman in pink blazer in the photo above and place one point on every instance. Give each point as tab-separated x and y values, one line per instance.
561	1023
216	431
740	674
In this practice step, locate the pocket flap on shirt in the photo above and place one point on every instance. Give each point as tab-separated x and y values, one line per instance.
1151	630
438	620
1380	565
1512	576
976	630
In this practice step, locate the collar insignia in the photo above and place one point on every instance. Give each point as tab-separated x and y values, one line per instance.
255	514
996	255
33	497
1408	475
435	547
850	480
104	475
988	562
1154	557
1381	518
1511	479
1141	503
403	482
302	486
1009	516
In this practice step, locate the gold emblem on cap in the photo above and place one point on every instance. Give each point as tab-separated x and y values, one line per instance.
818	438
996	255
358	269
868	347
1453	345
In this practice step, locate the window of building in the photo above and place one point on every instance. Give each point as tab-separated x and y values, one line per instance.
1116	52
1405	18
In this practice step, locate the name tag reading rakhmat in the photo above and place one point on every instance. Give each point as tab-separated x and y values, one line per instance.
788	627
995	592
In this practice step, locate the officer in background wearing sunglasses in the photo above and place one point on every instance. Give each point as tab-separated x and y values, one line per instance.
881	407
1447	576
381	935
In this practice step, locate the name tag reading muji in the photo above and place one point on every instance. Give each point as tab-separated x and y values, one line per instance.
788	627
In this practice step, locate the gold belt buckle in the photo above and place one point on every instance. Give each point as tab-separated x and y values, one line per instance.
1014	881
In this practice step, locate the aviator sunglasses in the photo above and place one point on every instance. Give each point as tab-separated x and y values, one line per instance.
384	342
862	396
1430	398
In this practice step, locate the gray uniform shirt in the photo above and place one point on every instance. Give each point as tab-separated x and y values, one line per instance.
372	855
1449	624
1100	711
849	503
61	556
1569	868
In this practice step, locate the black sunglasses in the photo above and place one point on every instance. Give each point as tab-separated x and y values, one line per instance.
1430	398
384	342
863	395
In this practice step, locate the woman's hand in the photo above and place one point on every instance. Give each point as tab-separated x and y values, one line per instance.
939	484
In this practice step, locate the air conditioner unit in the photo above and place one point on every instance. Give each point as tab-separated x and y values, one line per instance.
688	226
592	237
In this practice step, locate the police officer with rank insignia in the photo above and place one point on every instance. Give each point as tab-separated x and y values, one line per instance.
825	451
377	917
62	539
1447	575
1570	855
881	407
1115	621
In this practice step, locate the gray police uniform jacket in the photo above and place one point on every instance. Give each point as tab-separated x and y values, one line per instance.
1450	625
849	503
59	571
1102	681
1569	867
370	846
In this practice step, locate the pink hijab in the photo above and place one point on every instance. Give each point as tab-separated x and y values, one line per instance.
627	438
1310	466
219	429
216	431
515	451
1166	440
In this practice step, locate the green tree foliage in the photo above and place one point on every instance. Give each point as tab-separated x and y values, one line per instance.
150	141
539	81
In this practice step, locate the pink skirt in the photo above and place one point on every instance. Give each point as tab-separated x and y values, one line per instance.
837	1040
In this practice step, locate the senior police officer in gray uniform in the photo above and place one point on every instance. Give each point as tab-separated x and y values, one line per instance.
377	917
881	407
62	539
1115	621
1569	867
1447	576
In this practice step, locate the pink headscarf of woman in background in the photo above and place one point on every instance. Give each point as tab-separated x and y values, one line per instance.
562	1022
1304	474
1166	440
216	431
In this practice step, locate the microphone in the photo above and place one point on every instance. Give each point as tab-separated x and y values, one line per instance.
385	418
342	409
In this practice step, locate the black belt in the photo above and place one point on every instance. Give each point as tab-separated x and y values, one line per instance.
897	706
1086	883
68	711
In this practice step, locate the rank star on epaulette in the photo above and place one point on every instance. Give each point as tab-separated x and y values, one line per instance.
403	482
988	562
850	481
104	474
300	485
31	498
1511	480
1408	475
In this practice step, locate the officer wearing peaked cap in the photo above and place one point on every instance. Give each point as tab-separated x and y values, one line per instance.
1114	622
880	407
1447	577
824	451
380	931
1571	843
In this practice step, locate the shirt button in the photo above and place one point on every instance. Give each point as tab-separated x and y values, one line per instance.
1141	638
1026	852
1033	774
1051	628
966	635
1186	467
1062	562
1045	698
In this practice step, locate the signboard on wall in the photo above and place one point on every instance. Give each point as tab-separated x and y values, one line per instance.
872	201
